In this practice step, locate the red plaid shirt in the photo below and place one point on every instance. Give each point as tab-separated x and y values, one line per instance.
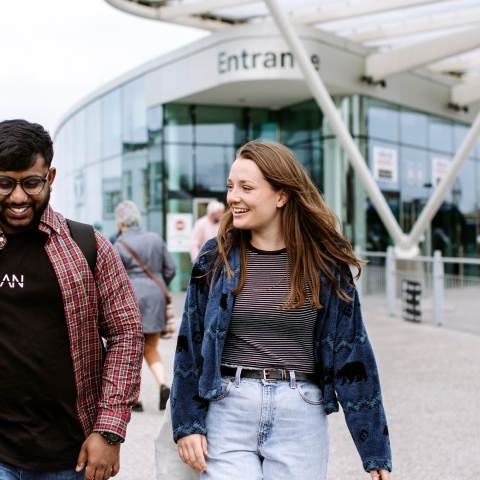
106	304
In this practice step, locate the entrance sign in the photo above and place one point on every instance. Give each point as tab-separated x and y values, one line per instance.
385	164
179	231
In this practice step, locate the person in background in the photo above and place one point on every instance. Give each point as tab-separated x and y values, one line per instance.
152	250
272	337
65	402
206	227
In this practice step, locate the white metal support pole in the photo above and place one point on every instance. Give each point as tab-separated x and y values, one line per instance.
359	282
438	286
433	204
391	279
321	95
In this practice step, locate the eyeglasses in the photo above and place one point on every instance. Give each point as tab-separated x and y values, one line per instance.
31	185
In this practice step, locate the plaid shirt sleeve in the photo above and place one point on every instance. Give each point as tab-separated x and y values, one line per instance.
120	325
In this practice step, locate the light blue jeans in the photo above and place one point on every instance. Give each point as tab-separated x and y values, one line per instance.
267	430
9	472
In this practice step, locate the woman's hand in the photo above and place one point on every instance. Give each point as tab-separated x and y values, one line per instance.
193	450
380	474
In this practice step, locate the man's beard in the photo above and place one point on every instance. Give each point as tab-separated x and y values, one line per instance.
38	210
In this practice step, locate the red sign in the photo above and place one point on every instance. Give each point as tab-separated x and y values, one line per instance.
180	225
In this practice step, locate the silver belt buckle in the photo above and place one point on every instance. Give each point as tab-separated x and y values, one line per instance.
265	370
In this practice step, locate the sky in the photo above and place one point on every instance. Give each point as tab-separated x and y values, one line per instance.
55	52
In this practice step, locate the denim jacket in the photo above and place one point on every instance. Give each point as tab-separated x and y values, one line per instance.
345	365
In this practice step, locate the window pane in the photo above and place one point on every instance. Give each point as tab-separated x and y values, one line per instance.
413	128
111	124
383	121
414	168
213	166
178	123
262	124
134	115
93	132
179	159
219	125
440	135
301	123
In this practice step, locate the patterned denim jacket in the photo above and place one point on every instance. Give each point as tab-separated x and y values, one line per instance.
345	365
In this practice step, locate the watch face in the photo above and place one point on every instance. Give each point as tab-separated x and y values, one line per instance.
112	438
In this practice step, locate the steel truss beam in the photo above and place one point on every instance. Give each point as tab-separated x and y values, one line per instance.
375	6
326	104
182	14
417	27
405	246
378	66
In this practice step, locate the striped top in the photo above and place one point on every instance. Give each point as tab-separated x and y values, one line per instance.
260	334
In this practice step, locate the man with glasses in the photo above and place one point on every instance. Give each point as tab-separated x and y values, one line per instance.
64	403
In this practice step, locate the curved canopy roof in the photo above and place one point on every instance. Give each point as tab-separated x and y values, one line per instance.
442	35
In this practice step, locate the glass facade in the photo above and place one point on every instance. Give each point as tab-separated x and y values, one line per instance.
165	157
422	146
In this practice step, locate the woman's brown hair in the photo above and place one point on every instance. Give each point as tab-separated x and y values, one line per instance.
309	227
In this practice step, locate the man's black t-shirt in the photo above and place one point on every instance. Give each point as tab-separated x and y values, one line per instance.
39	428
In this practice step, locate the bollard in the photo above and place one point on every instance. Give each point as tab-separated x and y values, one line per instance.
391	280
438	286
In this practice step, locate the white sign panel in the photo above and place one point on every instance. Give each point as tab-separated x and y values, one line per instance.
179	231
385	164
440	168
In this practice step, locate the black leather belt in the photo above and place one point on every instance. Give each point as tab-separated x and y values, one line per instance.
267	374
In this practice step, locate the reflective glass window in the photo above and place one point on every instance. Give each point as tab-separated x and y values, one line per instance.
464	190
440	135
112	123
155	124
134	115
212	167
93	196
79	139
179	162
301	123
219	125
178	123
383	121
93	114
262	123
414	183
413	128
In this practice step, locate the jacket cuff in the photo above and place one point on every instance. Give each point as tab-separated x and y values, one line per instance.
377	464
109	421
190	428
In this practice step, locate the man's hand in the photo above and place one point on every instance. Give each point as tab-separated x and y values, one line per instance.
380	474
193	450
101	458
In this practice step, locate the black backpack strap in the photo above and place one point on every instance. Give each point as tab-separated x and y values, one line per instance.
84	236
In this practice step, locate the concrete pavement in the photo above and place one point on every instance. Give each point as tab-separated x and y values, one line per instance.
431	389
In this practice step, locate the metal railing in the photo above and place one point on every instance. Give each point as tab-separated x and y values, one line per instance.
445	299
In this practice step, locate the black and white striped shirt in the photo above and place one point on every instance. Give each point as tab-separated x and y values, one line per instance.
261	335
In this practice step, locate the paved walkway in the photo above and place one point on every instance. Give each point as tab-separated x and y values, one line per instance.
431	388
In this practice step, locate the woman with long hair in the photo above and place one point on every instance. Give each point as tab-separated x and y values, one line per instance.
272	336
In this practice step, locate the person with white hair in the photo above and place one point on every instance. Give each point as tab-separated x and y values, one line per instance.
206	227
152	251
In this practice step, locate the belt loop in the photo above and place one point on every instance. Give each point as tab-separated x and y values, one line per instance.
237	376
293	383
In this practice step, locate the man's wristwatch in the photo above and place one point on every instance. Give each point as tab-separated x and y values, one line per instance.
112	438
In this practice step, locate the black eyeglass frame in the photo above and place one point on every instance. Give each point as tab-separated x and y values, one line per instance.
21	182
